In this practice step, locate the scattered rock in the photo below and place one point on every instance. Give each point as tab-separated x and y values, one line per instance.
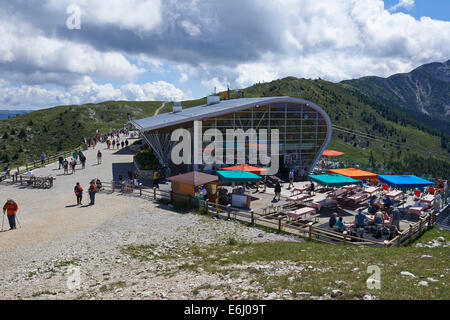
336	293
339	283
423	283
303	294
426	256
368	297
406	273
432	279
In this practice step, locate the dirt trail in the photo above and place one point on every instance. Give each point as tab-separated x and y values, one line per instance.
46	215
160	108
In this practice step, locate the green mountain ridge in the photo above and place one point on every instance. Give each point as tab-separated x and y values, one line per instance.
423	93
412	147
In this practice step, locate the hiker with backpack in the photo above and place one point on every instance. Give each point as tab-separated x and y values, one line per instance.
92	190
10	208
78	193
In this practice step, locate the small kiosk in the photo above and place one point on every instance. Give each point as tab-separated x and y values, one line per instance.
187	184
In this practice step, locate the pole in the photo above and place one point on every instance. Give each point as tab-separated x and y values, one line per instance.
3	220
18	222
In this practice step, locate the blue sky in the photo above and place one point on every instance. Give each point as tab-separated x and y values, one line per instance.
176	50
435	9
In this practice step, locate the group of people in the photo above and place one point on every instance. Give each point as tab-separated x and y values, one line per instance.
92	190
116	142
77	155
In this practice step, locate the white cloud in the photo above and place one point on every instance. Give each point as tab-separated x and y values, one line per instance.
190	28
29	57
215	84
137	15
30	97
407	4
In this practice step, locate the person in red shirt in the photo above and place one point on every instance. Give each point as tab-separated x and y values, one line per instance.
79	193
92	190
11	208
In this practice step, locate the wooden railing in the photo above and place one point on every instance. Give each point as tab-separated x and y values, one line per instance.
278	223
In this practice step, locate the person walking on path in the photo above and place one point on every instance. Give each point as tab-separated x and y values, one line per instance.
126	143
82	160
122	144
92	190
66	166
43	157
291	178
61	162
277	190
78	193
99	157
73	165
10	208
118	144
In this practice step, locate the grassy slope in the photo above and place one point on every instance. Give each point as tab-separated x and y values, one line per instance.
341	263
421	151
62	128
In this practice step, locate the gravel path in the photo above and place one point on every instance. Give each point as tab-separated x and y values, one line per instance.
37	259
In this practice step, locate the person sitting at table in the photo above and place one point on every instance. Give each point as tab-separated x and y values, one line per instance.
311	188
373	199
360	219
340	225
378	219
332	220
395	218
387	201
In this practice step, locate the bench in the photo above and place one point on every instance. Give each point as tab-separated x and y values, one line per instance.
315	217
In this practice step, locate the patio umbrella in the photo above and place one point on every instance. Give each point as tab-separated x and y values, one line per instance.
331	153
246	167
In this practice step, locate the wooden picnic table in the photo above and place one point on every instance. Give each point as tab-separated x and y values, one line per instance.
301	189
274	207
337	193
350	187
299	198
296	214
395	194
428	199
324	203
371	190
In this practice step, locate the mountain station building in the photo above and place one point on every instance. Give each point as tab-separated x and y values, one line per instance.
304	130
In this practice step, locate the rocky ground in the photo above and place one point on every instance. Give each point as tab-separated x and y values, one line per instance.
108	271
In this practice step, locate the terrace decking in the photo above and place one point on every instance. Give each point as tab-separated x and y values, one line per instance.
310	220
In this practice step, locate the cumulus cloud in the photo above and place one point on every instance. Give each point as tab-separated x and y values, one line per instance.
407	4
30	57
31	97
212	42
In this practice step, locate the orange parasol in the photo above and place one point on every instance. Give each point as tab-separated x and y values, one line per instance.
248	168
331	153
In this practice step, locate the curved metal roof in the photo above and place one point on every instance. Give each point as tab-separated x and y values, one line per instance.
207	111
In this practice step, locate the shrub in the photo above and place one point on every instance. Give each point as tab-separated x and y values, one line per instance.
147	160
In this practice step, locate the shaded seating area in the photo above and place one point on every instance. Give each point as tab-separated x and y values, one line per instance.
238	198
404	181
356	174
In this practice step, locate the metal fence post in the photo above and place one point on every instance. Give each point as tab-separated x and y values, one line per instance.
229	211
113	186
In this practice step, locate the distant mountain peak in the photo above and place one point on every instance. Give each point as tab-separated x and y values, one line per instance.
424	93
